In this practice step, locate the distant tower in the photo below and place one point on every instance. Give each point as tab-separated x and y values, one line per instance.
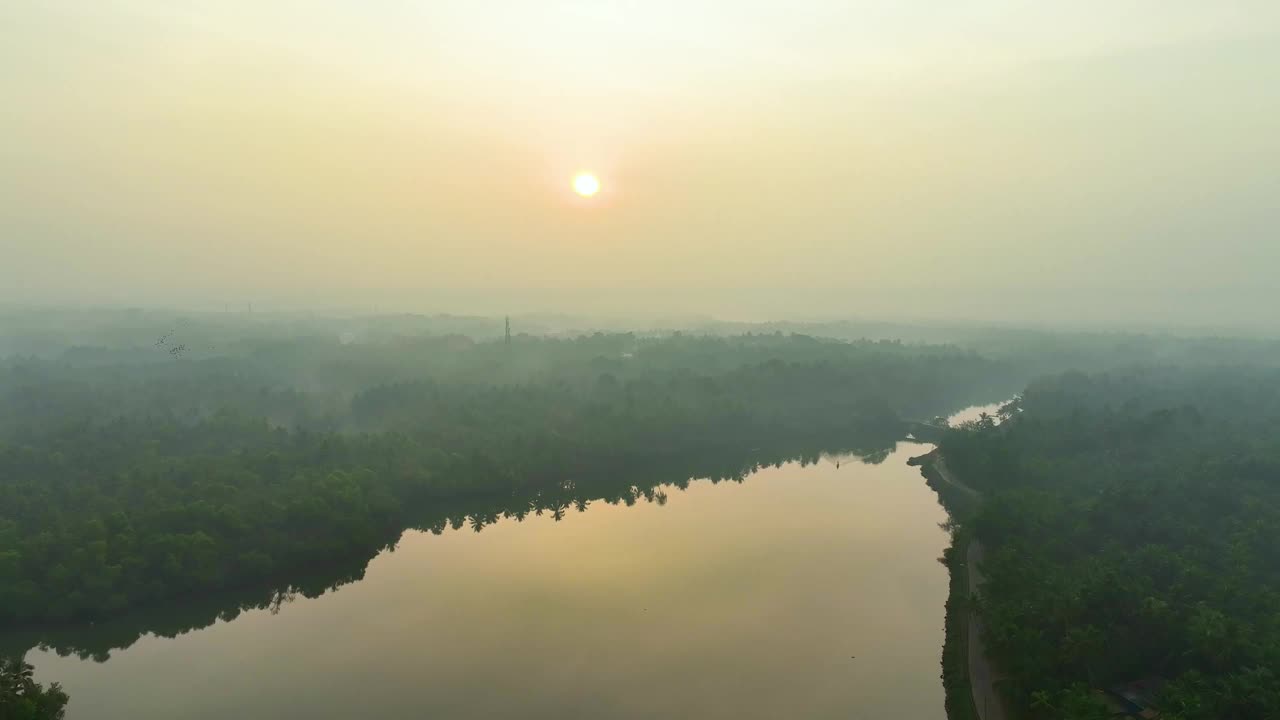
508	331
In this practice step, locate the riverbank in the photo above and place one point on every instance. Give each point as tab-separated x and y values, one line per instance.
459	624
968	677
956	682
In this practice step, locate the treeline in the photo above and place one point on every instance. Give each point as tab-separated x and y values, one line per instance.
111	504
655	481
105	336
309	381
1131	522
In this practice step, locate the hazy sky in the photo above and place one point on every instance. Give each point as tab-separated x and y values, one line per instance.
915	157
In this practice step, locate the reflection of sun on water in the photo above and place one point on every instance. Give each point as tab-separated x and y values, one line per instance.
586	185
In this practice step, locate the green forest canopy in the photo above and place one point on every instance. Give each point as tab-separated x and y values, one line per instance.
1132	521
129	484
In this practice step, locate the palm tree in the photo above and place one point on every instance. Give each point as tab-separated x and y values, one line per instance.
16	677
18	687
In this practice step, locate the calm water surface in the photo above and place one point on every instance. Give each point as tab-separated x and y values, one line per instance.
731	600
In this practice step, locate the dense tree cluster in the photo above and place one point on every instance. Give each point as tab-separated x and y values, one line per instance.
125	494
309	381
22	698
1131	522
628	484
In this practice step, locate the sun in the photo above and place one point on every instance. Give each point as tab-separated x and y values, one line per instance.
586	184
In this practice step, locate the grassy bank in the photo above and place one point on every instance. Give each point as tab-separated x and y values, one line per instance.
955	648
960	503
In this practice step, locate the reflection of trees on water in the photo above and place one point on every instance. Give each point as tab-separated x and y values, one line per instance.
648	483
869	457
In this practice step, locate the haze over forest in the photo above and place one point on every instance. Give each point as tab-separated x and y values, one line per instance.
1073	163
621	359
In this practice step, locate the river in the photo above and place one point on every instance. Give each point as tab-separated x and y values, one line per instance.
807	590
